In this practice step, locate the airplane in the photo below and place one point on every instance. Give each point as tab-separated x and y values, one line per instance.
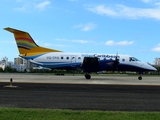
87	62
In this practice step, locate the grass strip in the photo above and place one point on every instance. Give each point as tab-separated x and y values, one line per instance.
49	114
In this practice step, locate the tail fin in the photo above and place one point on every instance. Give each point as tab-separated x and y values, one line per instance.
26	45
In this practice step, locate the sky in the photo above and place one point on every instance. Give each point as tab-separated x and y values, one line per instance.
89	26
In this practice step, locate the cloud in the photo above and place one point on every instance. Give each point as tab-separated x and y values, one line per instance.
126	12
8	42
47	44
121	43
157	48
19	0
77	41
24	7
154	2
57	45
42	5
146	1
103	10
72	0
27	6
85	27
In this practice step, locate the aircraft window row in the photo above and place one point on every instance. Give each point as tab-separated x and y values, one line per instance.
68	58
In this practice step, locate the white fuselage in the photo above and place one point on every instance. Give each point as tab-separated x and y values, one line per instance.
56	60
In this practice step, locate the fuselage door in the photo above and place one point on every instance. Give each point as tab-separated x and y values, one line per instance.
73	60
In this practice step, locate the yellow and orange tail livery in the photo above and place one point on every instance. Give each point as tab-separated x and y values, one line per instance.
26	45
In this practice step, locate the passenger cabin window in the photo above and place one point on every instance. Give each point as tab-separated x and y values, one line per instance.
133	59
73	57
61	57
67	58
123	60
79	58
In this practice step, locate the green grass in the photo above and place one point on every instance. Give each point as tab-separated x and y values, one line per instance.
49	114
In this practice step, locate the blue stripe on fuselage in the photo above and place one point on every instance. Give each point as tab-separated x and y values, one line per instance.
103	65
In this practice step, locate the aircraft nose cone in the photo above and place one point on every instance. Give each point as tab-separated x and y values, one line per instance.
153	68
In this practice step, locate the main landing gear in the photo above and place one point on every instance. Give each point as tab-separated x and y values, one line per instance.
87	76
140	75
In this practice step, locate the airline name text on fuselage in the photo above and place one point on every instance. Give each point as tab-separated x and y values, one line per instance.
100	55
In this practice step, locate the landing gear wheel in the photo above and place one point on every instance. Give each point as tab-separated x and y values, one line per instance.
140	78
87	76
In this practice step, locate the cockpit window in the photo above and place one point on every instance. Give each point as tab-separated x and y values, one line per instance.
133	59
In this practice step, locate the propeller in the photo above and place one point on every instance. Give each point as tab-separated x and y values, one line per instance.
116	62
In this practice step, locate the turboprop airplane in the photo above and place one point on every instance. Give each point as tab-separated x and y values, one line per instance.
88	62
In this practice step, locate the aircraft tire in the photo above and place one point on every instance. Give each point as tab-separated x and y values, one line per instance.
87	76
140	78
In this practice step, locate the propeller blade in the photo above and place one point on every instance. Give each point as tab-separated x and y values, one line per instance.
116	62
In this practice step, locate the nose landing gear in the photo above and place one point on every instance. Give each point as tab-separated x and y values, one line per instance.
140	77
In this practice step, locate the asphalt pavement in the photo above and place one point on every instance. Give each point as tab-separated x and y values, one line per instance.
81	96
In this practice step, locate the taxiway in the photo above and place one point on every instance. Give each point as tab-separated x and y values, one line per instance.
74	79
